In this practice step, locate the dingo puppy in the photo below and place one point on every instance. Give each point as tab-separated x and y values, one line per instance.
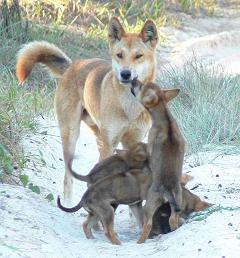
98	92
190	203
101	199
134	158
166	148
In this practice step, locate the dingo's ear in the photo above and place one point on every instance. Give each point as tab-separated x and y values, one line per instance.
149	33
170	93
115	30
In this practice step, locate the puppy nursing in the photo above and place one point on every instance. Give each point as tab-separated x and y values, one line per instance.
151	172
190	203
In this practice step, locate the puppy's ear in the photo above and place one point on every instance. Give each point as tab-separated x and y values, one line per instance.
150	100
170	93
149	33
202	205
115	30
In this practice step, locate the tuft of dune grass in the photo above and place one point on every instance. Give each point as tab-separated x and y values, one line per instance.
208	107
19	108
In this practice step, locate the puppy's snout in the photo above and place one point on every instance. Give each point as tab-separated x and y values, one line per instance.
135	84
125	75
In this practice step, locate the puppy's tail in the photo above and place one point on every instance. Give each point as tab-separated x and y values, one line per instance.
76	175
73	209
41	52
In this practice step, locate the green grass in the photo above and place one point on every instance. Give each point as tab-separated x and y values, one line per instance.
194	5
202	215
208	107
19	108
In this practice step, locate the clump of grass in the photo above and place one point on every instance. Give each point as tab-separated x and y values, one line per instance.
19	107
92	16
208	106
194	5
10	14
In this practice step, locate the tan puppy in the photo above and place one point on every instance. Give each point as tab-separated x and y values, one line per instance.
166	149
97	91
190	203
100	199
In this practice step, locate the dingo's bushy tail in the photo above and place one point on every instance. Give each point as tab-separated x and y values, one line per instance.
41	52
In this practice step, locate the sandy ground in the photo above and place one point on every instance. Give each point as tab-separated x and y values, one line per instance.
31	226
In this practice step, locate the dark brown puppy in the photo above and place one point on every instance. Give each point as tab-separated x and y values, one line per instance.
166	148
124	188
134	158
160	220
190	203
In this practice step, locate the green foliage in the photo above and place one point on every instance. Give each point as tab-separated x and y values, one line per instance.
19	108
34	188
6	162
209	211
11	15
49	197
193	5
24	179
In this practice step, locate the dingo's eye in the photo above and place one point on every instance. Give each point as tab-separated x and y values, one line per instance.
138	56
120	55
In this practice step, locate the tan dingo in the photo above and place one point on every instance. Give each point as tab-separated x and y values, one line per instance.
98	92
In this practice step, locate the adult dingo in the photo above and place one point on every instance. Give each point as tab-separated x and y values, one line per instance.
97	91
